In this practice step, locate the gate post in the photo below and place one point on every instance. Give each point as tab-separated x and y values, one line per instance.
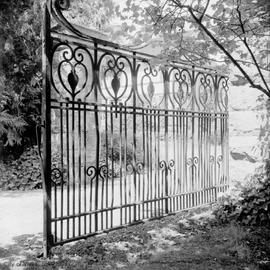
46	136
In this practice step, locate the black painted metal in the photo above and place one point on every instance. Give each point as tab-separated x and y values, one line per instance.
125	141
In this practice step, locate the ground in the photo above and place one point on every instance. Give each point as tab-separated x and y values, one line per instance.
187	240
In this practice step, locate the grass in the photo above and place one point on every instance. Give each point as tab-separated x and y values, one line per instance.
184	241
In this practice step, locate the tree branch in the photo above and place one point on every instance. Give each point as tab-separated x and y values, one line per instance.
216	42
206	6
222	48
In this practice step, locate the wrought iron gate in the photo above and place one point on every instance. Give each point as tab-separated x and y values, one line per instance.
124	140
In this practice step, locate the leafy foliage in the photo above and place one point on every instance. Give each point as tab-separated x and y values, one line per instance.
20	94
20	61
215	33
248	204
23	173
12	127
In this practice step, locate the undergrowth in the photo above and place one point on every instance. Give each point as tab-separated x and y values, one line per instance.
23	173
248	203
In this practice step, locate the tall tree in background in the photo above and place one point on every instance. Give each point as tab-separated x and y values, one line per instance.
19	70
20	62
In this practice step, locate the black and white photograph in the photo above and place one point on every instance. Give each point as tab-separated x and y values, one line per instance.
135	134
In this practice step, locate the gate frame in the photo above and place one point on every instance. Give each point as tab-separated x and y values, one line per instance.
46	136
46	119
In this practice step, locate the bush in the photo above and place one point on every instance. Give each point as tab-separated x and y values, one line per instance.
23	173
249	204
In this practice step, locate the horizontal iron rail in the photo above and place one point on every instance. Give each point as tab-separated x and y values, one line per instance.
182	112
137	203
137	222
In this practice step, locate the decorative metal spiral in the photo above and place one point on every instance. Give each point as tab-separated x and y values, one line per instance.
130	168
212	159
219	160
140	168
189	162
91	172
55	175
103	172
171	164
162	165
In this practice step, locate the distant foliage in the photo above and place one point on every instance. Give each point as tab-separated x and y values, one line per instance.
249	204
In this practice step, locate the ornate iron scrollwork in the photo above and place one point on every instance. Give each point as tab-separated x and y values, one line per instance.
180	87
73	70
114	77
56	174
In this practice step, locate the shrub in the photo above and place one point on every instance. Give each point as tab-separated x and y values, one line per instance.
249	204
24	173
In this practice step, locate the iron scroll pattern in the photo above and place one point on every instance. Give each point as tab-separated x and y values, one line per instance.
115	79
117	74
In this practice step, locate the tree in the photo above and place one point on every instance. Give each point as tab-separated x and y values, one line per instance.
20	70
216	33
20	62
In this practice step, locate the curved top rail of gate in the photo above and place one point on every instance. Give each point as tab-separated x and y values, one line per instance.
85	68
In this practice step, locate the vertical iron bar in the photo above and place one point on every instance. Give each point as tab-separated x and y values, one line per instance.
62	170
174	116
193	156
96	78
186	143
68	165
134	87
181	158
199	160
112	162
227	148
156	161
121	163
84	166
166	89
73	164
177	161
46	111
79	165
107	165
159	179
151	160
125	161
192	135
147	164
144	160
